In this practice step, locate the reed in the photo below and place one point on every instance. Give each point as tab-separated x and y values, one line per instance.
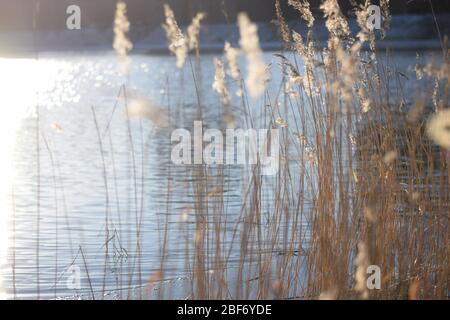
358	183
363	176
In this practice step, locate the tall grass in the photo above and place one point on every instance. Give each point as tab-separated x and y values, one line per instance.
360	182
361	179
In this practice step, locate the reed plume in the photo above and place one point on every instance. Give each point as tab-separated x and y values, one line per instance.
178	44
284	28
438	128
121	43
193	31
335	22
257	73
219	81
385	13
232	55
303	7
365	34
362	263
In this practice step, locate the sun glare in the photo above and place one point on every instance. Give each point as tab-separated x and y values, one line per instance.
21	81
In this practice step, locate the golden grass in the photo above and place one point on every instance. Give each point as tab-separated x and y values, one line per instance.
363	176
364	186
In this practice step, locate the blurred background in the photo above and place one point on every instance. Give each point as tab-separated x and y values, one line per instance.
47	20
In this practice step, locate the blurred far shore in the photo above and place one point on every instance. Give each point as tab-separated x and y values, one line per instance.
30	26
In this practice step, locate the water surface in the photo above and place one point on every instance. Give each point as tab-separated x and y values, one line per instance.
57	210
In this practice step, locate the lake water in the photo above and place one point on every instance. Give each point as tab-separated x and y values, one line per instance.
54	198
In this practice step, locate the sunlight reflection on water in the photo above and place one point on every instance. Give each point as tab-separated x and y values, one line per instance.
64	87
21	81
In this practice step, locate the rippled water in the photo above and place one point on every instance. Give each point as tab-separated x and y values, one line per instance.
54	197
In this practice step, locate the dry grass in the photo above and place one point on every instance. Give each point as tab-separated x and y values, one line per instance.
360	183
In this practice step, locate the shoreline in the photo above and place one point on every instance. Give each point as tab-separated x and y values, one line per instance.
159	50
406	32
